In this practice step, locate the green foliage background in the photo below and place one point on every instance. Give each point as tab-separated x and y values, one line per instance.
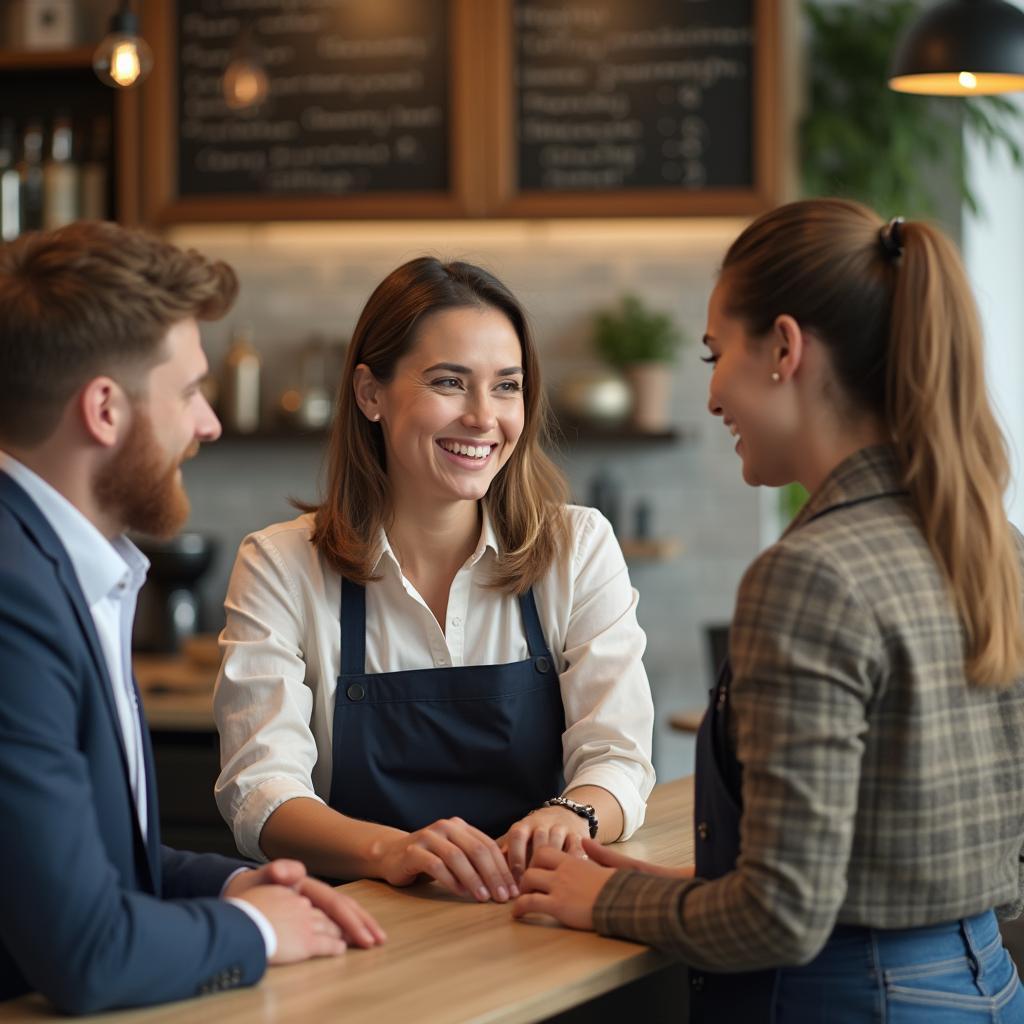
861	140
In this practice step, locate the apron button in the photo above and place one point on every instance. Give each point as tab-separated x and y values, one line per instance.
355	692
697	982
702	830
542	664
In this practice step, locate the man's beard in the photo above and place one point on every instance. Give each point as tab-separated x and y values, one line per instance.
139	489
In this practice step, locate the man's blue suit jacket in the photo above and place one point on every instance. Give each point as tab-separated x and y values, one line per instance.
90	915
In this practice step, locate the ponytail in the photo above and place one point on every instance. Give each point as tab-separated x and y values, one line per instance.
893	305
952	452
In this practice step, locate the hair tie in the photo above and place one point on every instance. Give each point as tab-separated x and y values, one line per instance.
891	237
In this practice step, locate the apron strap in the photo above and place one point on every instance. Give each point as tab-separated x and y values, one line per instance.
353	628
531	622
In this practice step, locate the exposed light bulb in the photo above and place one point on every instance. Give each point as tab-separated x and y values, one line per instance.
123	58
245	83
967	80
124	64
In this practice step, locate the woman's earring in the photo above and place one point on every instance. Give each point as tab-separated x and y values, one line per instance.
775	376
375	417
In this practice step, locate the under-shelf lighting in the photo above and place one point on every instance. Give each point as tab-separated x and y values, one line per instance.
123	58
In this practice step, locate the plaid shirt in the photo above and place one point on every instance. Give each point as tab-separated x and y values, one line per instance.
879	788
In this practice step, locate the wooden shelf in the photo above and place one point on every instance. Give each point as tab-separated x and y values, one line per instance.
687	721
269	435
46	60
579	432
565	433
651	549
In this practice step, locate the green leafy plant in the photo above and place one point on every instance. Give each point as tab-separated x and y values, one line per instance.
861	140
635	334
792	498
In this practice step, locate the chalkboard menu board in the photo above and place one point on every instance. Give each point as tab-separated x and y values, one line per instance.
644	94
356	98
465	108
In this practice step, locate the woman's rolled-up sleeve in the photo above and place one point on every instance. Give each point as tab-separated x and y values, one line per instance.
607	698
262	704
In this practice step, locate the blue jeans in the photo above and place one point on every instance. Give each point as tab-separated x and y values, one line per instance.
955	973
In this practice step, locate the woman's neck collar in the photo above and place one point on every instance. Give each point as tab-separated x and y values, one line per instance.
430	540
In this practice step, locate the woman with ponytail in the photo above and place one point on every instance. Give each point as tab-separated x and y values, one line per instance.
860	782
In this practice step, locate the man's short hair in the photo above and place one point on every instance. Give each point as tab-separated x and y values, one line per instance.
91	299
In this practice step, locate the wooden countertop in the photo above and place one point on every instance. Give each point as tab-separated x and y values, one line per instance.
177	689
447	961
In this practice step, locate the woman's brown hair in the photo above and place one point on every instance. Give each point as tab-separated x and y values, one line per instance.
527	497
894	308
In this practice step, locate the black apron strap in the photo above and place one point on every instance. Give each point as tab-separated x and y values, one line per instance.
353	628
531	622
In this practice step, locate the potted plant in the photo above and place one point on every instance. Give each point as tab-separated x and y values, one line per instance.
642	344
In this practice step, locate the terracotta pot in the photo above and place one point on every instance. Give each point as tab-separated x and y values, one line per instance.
652	392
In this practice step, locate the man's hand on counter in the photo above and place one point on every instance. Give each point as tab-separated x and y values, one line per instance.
309	917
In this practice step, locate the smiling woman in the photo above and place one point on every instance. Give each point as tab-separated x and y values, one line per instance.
482	694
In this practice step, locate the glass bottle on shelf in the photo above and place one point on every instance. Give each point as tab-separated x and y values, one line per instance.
10	182
60	176
93	202
30	170
240	392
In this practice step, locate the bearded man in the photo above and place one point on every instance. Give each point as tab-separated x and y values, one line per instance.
100	403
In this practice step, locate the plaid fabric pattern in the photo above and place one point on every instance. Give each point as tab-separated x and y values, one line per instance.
879	788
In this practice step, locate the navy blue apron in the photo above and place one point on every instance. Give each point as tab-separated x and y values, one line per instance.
481	742
747	996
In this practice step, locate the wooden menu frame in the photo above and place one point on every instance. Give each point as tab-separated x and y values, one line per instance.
162	203
504	198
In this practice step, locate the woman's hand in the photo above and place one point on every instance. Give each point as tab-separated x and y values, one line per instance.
453	853
611	858
556	828
563	886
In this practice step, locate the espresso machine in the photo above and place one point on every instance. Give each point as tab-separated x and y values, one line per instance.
170	607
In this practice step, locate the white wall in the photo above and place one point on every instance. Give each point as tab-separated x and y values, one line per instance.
993	248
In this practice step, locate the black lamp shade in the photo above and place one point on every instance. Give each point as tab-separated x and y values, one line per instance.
962	48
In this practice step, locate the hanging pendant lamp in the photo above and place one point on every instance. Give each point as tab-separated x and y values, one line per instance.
123	58
962	48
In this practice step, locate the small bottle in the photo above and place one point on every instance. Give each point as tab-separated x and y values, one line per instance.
606	497
240	394
93	192
642	520
30	170
315	409
10	183
60	177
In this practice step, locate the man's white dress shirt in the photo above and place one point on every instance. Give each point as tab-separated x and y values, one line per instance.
274	702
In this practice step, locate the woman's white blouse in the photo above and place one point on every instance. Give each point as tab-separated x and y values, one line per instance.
281	646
